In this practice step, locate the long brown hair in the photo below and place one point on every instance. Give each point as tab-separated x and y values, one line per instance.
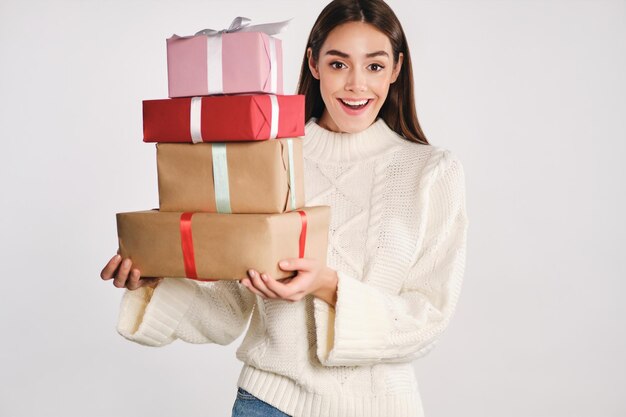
398	111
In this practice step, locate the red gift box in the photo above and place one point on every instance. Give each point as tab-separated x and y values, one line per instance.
223	118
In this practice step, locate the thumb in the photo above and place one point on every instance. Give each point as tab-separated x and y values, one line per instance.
295	264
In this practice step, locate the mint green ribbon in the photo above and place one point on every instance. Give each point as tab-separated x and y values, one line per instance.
292	174
220	178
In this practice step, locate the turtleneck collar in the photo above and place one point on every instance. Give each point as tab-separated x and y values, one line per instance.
323	145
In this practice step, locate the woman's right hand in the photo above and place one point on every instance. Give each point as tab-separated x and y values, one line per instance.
125	276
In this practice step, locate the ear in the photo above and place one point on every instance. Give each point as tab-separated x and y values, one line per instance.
397	68
312	64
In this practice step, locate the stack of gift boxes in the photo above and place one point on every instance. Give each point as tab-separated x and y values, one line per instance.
230	166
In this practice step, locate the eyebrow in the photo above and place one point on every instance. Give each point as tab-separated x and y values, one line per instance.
344	55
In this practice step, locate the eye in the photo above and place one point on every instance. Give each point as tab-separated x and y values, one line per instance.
337	65
376	67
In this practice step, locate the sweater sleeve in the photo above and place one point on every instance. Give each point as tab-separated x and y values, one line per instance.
369	326
215	312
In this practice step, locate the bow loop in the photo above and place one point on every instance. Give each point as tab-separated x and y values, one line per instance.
238	24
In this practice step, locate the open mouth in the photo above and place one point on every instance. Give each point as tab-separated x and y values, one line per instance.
355	104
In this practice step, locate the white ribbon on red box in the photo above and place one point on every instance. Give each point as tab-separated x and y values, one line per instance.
195	117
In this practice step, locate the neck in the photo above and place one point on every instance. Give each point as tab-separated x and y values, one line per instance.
324	145
327	122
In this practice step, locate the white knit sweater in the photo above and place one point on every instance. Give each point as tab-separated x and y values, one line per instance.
397	241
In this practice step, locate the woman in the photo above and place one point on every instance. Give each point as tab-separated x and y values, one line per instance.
338	338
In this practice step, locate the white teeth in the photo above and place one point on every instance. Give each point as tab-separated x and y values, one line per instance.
354	103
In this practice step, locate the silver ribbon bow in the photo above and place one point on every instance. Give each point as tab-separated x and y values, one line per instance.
243	24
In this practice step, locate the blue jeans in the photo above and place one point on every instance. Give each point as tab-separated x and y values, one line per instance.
247	405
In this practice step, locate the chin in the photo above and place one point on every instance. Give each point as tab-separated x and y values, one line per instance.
355	124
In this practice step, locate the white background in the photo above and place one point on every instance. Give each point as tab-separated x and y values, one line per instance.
531	95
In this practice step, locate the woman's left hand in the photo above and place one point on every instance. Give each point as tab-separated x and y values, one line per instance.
312	278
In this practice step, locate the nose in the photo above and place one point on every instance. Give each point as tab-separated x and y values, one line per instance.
356	81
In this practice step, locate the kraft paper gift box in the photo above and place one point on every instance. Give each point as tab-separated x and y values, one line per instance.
228	63
220	246
223	118
243	177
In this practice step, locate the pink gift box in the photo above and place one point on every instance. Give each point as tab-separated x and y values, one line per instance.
246	65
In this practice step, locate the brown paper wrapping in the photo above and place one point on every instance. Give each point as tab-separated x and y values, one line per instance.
258	176
225	245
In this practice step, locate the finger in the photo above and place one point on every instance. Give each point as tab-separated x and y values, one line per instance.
133	280
246	283
109	269
283	281
281	289
296	264
122	273
258	280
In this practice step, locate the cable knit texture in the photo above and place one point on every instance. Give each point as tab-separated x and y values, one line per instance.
397	241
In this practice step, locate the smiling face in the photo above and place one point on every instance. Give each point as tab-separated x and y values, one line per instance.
355	68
